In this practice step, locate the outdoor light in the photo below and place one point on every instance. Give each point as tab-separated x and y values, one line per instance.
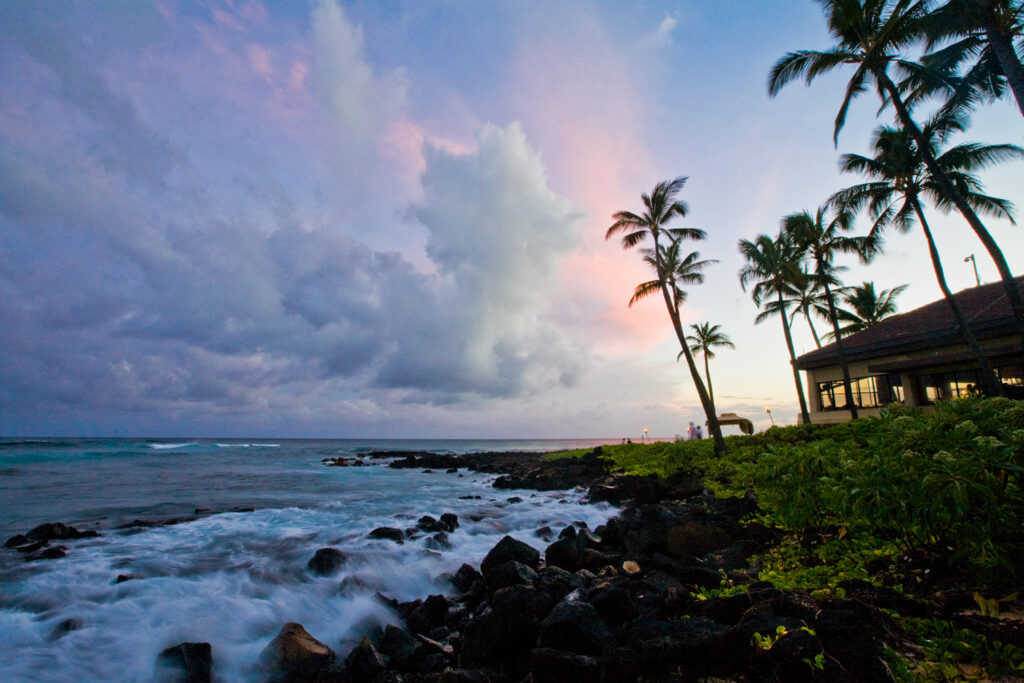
769	411
975	264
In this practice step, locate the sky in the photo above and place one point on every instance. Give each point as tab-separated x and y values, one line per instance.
334	218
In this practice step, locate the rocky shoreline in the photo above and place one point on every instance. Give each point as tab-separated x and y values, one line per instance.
623	602
614	603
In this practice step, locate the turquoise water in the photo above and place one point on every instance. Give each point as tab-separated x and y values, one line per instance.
232	578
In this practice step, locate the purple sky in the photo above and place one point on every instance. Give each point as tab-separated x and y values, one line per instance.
387	220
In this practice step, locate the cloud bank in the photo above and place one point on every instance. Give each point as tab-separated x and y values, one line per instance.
143	274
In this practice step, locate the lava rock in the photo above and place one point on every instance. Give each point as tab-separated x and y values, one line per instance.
193	661
326	561
556	666
465	577
574	626
295	655
509	549
509	574
364	662
388	533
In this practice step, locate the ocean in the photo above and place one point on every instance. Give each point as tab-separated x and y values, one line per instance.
234	578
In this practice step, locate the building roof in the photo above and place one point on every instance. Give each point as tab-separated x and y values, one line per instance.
931	326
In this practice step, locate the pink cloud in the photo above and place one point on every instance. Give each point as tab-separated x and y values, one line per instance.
580	105
260	61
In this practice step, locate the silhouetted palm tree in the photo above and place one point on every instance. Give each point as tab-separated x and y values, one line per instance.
705	337
865	307
870	35
821	239
771	266
807	297
983	34
660	207
900	179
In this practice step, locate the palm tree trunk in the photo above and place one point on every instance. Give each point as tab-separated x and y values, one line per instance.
806	416
990	384
1002	47
1009	284
842	352
814	332
707	375
702	394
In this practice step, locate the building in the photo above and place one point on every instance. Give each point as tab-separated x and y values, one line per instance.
916	357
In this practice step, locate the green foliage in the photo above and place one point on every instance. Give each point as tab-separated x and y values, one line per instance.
949	653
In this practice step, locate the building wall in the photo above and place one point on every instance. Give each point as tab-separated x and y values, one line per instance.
910	378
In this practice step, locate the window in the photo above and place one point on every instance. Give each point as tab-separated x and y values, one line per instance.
949	385
1011	374
868	392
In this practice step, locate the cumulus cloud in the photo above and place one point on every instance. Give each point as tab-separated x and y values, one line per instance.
497	235
362	100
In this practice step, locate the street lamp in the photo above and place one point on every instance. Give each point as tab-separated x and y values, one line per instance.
975	264
644	437
769	411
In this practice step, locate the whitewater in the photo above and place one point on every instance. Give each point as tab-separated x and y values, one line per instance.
235	571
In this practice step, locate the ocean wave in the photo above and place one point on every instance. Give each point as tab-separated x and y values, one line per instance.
171	446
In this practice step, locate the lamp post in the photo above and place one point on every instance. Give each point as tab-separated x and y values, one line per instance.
975	264
643	439
769	411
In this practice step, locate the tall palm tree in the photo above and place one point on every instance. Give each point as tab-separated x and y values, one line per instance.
705	337
660	207
899	179
870	34
821	239
866	307
771	266
983	31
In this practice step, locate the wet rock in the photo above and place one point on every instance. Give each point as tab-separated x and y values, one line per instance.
65	627
464	577
53	553
397	645
544	533
428	615
192	661
439	541
295	655
564	553
388	533
509	549
430	525
450	520
364	662
504	631
326	561
556	666
574	626
121	578
509	574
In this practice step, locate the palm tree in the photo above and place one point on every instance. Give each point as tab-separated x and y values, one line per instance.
807	296
983	31
869	36
771	266
706	336
866	307
660	207
821	240
899	179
